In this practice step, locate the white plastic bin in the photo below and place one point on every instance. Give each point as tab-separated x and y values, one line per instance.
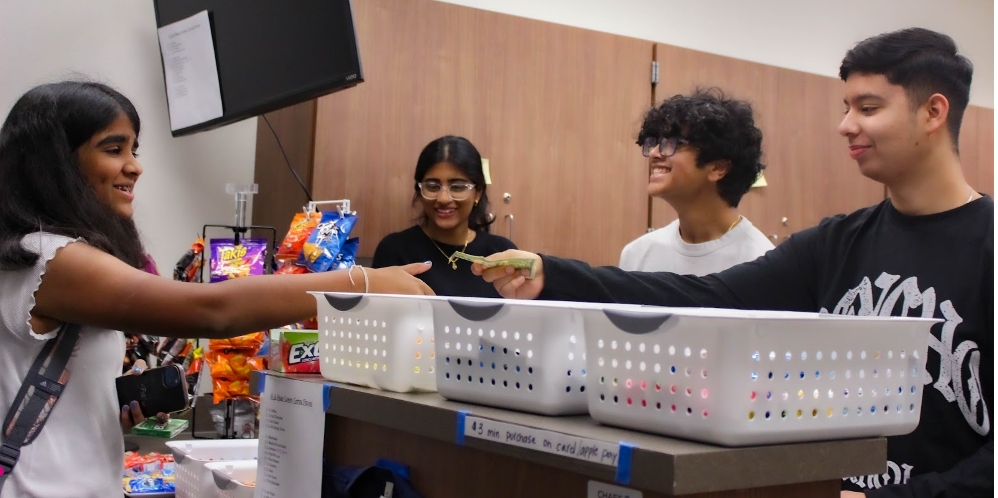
376	340
747	377
193	478
236	479
522	355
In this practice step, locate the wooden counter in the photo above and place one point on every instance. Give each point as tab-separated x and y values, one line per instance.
421	430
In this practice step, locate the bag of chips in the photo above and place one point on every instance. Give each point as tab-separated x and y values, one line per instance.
320	250
301	227
230	372
187	269
290	267
249	341
235	364
223	389
348	254
229	260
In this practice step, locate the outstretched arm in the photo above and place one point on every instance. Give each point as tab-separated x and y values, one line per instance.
87	286
782	279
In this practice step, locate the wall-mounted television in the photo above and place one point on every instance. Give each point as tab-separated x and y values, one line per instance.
271	54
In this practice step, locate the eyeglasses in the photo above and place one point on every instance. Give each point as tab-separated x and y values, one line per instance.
457	191
667	146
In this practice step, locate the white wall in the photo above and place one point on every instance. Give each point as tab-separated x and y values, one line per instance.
114	41
183	185
806	35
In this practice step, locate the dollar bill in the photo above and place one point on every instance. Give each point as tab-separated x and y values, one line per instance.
518	263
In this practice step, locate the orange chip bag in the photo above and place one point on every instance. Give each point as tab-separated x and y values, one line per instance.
289	267
301	227
249	341
226	389
233	364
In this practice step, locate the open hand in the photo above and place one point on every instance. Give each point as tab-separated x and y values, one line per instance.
398	280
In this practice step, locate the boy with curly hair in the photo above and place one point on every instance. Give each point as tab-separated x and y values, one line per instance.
704	152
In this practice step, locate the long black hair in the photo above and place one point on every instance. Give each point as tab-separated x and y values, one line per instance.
462	154
42	187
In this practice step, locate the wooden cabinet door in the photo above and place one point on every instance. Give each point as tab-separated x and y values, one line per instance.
555	109
977	148
808	171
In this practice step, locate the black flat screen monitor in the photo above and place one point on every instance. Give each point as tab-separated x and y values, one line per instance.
271	54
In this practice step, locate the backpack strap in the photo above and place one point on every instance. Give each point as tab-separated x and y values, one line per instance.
39	392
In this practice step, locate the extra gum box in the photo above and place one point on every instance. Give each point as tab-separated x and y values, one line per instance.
294	351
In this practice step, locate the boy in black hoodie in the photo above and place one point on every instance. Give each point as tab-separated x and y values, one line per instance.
926	251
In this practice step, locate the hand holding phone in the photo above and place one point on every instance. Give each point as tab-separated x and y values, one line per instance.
158	390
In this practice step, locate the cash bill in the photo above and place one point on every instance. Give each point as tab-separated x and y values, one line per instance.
518	263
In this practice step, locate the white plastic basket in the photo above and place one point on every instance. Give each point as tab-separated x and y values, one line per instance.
374	340
193	478
522	355
235	479
746	377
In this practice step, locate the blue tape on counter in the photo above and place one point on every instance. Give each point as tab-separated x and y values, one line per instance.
258	381
326	389
461	414
624	463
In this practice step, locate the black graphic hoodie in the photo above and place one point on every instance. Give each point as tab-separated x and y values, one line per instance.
875	261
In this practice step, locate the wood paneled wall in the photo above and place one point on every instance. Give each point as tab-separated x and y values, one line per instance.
977	148
554	108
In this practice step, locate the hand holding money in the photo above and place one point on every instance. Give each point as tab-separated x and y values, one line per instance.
529	264
515	274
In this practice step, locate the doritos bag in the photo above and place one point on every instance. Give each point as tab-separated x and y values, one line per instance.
348	254
301	227
319	252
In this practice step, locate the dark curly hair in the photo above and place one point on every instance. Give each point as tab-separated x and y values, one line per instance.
922	62
460	152
720	128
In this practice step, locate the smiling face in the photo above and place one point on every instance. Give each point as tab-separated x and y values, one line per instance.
881	128
677	176
444	212
109	163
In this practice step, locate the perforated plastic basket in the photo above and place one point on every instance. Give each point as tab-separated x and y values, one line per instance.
234	479
193	478
375	340
521	355
738	377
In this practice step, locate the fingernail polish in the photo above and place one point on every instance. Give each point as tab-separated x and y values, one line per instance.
427	262
135	404
124	408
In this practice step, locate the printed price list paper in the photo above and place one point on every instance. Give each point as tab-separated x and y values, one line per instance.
292	421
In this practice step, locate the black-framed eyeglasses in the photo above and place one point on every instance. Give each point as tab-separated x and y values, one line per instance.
458	191
667	146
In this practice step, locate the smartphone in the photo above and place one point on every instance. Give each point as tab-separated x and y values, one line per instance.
162	389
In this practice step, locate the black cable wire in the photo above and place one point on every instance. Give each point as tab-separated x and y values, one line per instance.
293	172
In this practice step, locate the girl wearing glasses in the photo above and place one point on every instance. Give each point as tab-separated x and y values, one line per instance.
450	190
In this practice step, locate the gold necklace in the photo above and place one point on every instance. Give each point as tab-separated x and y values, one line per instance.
725	232
733	224
450	259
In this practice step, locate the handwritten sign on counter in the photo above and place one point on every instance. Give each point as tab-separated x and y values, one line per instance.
556	443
